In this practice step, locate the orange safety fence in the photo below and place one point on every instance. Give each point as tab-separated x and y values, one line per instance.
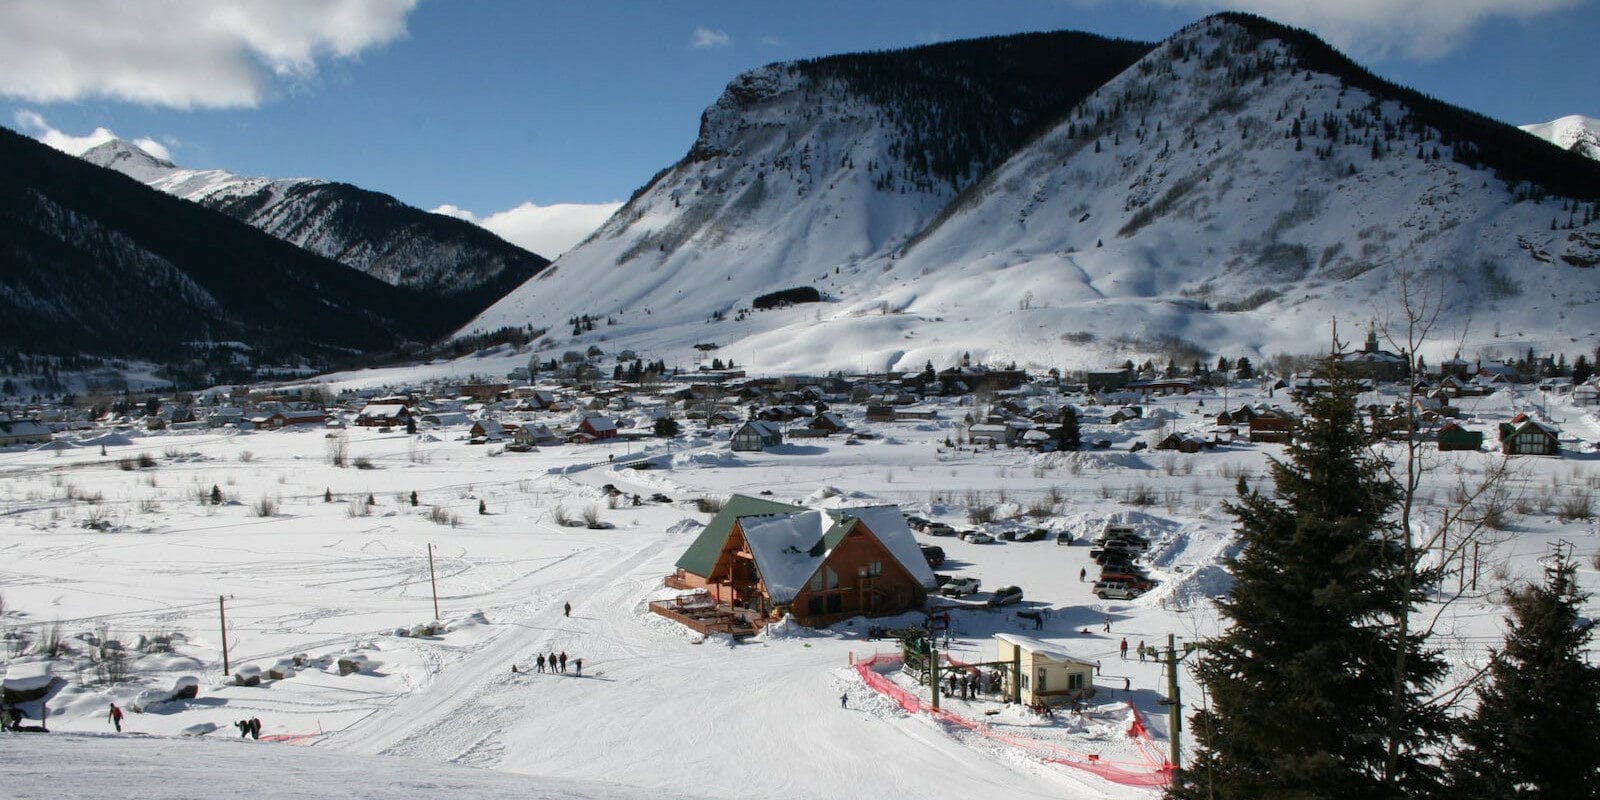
1150	770
290	738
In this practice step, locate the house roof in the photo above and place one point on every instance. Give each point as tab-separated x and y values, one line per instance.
375	410
702	554
788	548
1039	647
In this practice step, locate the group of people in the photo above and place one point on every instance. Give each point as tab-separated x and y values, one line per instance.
966	684
249	727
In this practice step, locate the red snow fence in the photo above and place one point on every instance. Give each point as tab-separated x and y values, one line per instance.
1151	769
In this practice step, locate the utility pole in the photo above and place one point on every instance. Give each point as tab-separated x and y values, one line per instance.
222	613
933	672
434	582
1174	699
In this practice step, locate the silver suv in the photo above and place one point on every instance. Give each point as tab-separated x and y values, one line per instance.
1109	590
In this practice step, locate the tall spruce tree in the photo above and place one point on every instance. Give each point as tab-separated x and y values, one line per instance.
1536	732
1298	690
1069	436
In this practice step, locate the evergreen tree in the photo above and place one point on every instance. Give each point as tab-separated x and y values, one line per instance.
1068	437
1300	686
1581	371
1246	371
1536	731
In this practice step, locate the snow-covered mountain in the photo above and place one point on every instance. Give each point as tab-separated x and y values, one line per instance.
1229	192
94	263
461	263
1573	132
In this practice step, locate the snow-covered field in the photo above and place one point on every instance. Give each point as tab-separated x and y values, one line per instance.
123	553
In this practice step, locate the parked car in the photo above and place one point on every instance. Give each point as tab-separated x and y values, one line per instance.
1136	581
1035	535
933	554
1064	537
1006	535
916	523
1006	596
960	587
977	537
1115	590
660	498
940	529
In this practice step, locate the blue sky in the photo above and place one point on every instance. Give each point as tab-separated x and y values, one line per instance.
487	104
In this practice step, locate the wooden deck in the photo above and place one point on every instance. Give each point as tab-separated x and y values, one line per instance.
700	613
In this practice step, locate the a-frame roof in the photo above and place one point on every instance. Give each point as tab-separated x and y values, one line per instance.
702	554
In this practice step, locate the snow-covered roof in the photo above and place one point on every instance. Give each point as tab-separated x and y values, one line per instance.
28	676
888	524
1039	647
382	410
787	549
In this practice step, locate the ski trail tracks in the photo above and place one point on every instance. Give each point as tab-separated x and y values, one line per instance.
459	716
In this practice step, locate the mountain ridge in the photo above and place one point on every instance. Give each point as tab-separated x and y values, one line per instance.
1121	231
465	265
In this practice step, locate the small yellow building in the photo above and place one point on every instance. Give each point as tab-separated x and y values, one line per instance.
1048	676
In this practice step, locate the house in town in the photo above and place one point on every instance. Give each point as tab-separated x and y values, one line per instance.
1524	436
756	435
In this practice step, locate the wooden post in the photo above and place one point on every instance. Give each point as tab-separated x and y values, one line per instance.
1016	674
933	672
1174	701
222	613
434	582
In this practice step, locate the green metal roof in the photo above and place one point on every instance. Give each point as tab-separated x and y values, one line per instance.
702	554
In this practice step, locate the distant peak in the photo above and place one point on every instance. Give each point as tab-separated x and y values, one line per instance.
121	155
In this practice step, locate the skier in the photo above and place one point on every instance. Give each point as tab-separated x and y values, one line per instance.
577	666
566	609
1141	649
1108	624
1124	649
563	661
116	717
541	662
844	700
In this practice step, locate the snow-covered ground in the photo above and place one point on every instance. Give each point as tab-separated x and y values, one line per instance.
660	711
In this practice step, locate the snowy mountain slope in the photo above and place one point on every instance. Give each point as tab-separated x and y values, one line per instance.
1229	193
372	232
805	167
1573	132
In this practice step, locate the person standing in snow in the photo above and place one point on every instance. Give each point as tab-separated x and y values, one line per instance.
566	609
1141	649
255	727
563	661
1083	572
577	667
116	717
1108	624
552	661
244	727
1124	649
541	662
844	700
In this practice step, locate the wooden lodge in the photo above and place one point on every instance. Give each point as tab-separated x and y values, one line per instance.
821	566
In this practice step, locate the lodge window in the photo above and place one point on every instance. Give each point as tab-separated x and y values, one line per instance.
1041	679
1075	680
875	568
1024	680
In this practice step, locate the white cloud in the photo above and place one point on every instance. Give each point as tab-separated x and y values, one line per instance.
34	124
1416	29
181	53
704	37
547	230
